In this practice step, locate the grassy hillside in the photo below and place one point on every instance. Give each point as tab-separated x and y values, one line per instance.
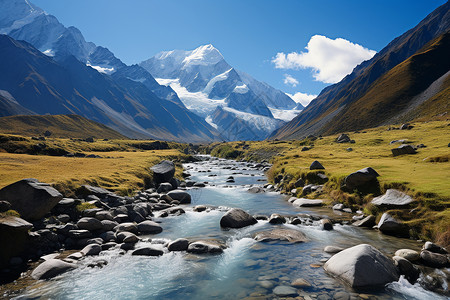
393	92
119	165
60	126
423	175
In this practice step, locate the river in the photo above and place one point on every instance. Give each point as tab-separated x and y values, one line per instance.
246	268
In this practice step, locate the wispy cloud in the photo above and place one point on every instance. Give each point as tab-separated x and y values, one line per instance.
289	80
302	98
331	60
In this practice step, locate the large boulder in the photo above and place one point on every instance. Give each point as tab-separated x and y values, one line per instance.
237	218
303	202
30	198
403	149
149	227
390	225
361	178
343	138
362	266
181	196
164	171
281	234
13	237
392	198
51	268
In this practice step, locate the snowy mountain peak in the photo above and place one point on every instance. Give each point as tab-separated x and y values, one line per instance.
16	14
203	55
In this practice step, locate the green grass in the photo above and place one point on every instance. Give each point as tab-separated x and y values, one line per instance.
424	175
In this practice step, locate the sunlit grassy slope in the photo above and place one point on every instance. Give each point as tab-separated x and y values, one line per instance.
425	175
62	126
123	166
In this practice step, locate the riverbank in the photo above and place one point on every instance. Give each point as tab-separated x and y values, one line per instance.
422	175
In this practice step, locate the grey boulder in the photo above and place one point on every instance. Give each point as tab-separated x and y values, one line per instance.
149	227
303	202
316	165
164	171
237	218
362	266
403	149
30	198
178	245
181	196
392	198
51	268
391	226
361	177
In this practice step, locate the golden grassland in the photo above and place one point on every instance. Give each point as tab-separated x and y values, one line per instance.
123	166
425	175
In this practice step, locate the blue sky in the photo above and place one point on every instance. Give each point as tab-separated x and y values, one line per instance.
249	33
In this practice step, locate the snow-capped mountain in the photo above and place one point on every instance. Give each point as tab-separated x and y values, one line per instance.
147	109
225	97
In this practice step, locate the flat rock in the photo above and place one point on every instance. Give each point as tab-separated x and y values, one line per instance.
392	198
303	202
362	266
30	198
285	291
51	268
237	218
368	221
281	234
148	251
408	254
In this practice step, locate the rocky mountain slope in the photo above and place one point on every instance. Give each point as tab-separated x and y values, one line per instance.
338	107
142	109
239	106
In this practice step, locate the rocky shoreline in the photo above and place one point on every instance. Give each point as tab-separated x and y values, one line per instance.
98	220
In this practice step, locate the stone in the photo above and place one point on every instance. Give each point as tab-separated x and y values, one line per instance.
92	249
310	188
326	224
316	165
148	251
338	206
131	227
4	206
403	149
237	218
149	227
392	198
362	266
30	198
86	190
299	183
349	149
178	245
277	219
163	171
343	138
285	291
341	296
180	195
108	245
127	237
267	284
406	268
361	177
13	238
97	241
200	208
391	226
201	247
80	234
332	249
104	215
408	254
51	268
91	212
76	256
301	283
164	187
303	202
434	248
434	260
108	225
281	234
90	224
368	221
64	218
256	190
108	236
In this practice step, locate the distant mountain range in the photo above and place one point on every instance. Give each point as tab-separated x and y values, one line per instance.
237	105
92	82
406	80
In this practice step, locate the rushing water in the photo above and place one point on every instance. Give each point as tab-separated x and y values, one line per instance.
245	269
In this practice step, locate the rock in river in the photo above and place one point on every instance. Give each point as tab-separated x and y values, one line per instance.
303	202
51	268
202	247
181	196
149	227
281	234
389	225
362	266
30	198
237	218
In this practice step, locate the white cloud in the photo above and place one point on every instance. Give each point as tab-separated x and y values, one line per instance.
302	98
331	60
289	80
